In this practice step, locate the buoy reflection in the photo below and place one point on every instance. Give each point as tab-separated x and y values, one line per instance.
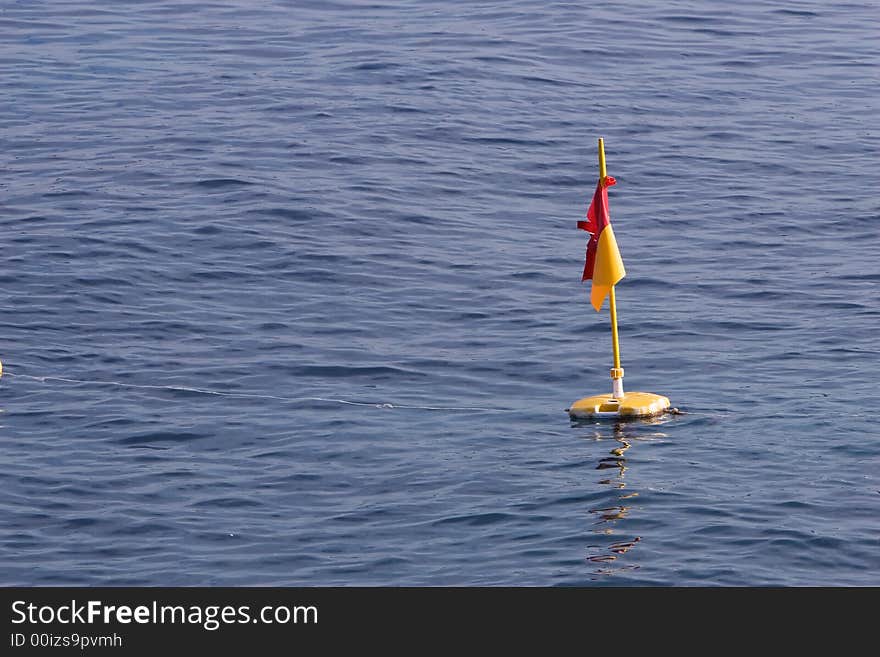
609	520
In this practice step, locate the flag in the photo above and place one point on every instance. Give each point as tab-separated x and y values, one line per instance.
604	265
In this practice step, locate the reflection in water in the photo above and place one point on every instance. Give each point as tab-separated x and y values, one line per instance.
610	519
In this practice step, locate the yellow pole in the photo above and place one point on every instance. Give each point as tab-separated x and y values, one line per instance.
614	342
617	372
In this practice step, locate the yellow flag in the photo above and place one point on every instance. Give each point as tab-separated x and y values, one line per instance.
604	265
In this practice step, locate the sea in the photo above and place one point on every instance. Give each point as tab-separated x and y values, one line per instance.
290	293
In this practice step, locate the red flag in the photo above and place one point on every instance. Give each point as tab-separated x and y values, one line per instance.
604	265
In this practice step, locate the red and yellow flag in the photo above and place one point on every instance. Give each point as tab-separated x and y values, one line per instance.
604	264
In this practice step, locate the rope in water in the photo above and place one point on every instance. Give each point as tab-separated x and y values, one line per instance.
247	395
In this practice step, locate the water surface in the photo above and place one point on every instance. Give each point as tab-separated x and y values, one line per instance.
306	276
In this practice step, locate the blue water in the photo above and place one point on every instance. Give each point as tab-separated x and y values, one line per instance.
291	293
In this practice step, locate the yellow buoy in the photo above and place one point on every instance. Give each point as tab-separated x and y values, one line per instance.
632	404
1	369
605	268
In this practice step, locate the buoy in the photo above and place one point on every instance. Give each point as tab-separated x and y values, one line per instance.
632	404
604	267
1	369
